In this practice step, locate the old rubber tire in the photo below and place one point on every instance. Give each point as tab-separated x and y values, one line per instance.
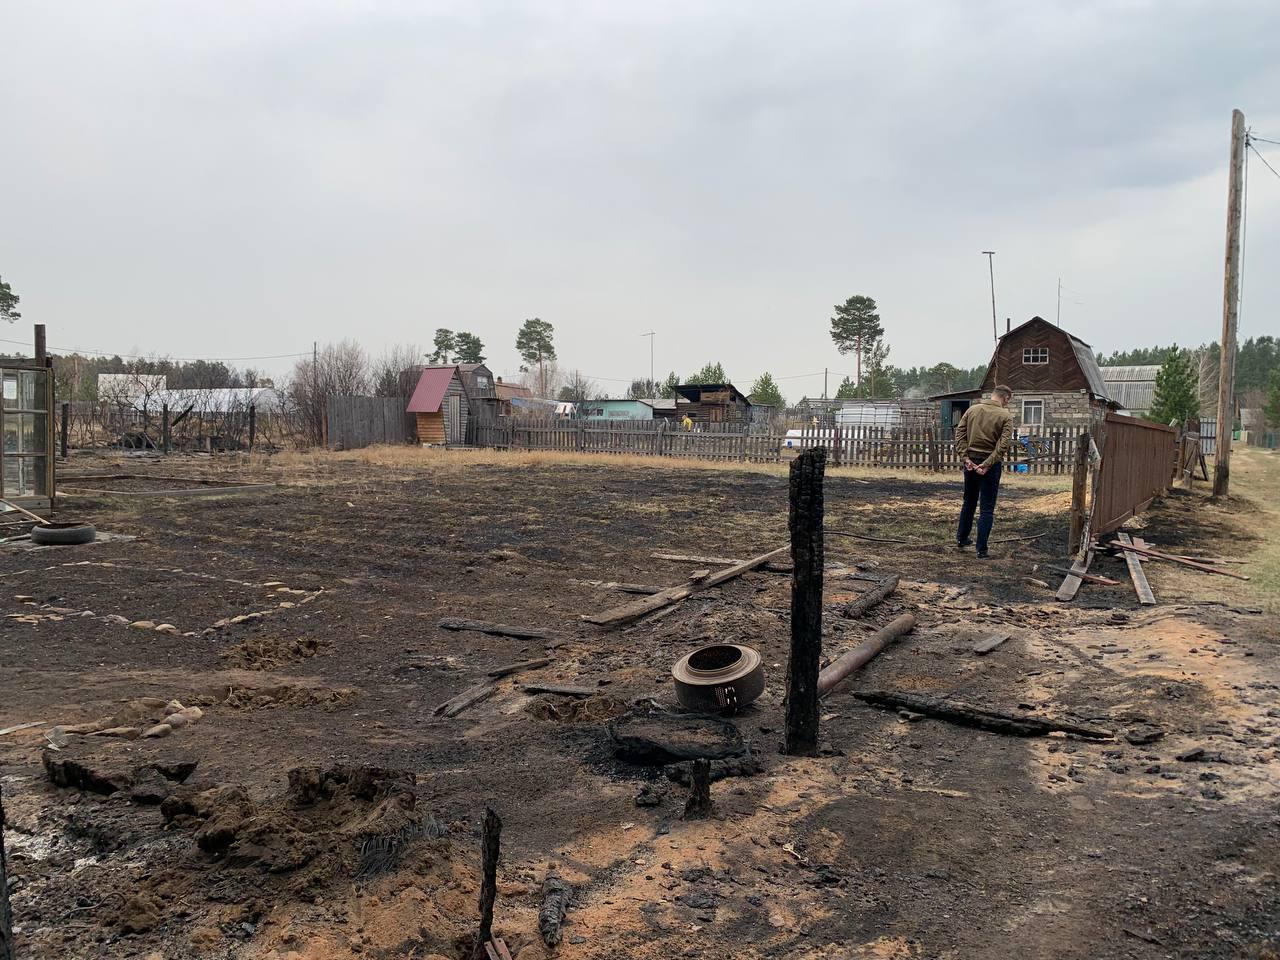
62	534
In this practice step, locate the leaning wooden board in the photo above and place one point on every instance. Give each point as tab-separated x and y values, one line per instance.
1137	574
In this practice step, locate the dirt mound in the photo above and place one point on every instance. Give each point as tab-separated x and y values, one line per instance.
108	770
587	710
343	820
268	653
287	695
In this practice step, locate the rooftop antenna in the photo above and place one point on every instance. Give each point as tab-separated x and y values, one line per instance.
995	328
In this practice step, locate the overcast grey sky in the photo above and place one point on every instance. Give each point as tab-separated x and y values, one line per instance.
229	179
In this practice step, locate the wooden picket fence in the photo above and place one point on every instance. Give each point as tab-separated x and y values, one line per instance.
911	447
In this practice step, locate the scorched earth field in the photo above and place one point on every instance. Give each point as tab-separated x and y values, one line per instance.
314	805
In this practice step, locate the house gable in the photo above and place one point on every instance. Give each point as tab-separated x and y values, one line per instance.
1038	357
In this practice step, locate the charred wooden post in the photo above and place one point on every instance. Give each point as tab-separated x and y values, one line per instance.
6	917
807	471
489	847
556	896
698	806
253	424
65	426
1079	484
165	438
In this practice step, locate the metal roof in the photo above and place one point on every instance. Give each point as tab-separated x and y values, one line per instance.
431	388
1120	374
1133	394
1131	386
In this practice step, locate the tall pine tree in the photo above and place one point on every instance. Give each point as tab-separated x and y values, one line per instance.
1177	398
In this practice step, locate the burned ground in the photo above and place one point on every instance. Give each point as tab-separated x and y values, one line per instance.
304	628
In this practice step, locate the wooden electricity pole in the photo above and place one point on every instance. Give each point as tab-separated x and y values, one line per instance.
1230	310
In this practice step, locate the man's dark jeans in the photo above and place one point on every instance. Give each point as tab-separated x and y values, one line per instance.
980	492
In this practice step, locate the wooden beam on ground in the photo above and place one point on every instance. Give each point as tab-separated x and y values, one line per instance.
467	698
859	606
1071	571
967	715
496	629
560	690
1071	586
638	608
1137	574
556	897
692	558
510	668
854	660
1156	555
982	648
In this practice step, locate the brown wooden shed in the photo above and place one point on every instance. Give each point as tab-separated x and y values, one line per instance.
439	405
712	403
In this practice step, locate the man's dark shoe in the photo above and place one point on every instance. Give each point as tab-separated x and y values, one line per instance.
983	555
960	545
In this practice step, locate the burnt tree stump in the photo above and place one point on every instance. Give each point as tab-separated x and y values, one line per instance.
6	918
801	734
488	880
698	806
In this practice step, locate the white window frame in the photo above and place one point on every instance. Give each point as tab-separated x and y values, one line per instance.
1035	403
1035	356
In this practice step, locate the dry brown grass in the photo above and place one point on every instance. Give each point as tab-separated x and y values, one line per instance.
403	462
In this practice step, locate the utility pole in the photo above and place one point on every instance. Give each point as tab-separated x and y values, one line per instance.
824	383
1058	321
653	386
1230	310
991	269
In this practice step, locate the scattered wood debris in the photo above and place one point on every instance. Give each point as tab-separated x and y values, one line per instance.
638	608
967	715
986	646
1072	572
1139	577
1178	560
518	667
496	629
468	697
858	607
556	897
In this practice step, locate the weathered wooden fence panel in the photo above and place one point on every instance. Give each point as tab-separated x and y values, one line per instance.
911	447
1138	459
356	422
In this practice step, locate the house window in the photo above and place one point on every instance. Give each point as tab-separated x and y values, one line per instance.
1033	413
482	381
1035	355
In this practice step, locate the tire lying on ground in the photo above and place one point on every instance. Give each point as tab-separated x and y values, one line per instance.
62	534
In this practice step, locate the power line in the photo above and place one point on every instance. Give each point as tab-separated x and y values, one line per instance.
1253	136
1259	155
136	356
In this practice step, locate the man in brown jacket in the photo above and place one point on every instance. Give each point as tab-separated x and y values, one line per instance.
982	439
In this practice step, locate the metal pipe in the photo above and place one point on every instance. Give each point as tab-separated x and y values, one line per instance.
857	658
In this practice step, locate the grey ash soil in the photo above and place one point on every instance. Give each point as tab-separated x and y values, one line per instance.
906	839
